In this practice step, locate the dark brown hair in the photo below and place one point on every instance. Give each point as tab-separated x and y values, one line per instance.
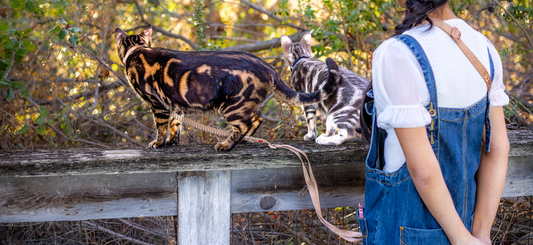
417	11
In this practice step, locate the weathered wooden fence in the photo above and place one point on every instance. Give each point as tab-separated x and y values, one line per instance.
195	182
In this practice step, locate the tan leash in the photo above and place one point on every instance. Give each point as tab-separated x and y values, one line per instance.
455	34
351	236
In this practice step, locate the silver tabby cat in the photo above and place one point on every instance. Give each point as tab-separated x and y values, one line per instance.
341	108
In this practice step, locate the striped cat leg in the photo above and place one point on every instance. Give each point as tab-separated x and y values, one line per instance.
331	127
174	134
161	119
310	116
257	119
236	136
241	123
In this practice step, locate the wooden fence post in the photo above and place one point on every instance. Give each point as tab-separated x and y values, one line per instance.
204	207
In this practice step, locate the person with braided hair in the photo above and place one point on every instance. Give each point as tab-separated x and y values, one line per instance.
438	152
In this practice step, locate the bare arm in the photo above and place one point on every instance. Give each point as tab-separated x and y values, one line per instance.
429	182
491	176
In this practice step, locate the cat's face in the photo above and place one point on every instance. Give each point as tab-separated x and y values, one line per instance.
293	51
125	42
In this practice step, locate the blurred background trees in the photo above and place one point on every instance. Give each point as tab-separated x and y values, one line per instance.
62	84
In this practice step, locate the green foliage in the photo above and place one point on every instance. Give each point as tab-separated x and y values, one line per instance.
58	53
29	6
308	13
284	11
23	129
198	23
14	47
522	10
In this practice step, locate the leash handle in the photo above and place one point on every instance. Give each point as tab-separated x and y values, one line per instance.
351	236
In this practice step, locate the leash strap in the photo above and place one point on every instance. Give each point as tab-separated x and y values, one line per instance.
456	36
351	236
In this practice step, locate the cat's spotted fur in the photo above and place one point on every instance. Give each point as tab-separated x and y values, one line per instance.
341	107
231	84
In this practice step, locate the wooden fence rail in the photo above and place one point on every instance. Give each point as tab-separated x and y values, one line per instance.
195	182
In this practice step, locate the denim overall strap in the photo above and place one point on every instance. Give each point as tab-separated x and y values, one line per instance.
487	113
432	128
394	212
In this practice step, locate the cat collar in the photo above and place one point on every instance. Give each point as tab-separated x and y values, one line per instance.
129	53
297	61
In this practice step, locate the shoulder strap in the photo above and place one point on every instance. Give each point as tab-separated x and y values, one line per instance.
427	71
456	36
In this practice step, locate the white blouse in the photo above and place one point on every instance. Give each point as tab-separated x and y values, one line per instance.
400	90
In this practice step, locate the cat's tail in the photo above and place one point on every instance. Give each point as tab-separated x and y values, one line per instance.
285	93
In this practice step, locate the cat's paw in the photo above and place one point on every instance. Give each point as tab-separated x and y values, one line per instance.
309	137
223	147
154	144
173	142
329	140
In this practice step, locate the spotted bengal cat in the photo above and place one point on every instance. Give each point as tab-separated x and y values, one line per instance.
231	84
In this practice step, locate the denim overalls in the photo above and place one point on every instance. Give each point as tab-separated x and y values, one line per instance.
394	213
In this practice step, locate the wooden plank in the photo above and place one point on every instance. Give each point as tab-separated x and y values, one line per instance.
338	186
171	159
58	198
330	197
77	184
193	158
519	180
204	207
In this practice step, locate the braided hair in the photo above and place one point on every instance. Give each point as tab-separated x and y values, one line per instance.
417	11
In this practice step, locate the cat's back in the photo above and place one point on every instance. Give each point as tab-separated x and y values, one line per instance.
352	78
219	59
316	68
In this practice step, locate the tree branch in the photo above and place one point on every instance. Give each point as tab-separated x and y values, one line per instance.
120	133
101	89
287	228
163	31
264	11
120	78
77	140
516	21
478	14
172	13
274	43
116	234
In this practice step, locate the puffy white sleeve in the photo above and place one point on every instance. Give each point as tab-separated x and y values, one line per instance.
400	91
497	94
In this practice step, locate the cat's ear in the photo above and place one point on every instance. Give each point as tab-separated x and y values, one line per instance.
119	35
285	42
147	34
306	41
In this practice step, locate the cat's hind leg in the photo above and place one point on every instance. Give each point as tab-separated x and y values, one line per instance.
331	127
310	116
174	134
257	119
242	124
